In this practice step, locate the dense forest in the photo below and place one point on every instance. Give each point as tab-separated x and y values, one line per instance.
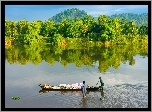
76	28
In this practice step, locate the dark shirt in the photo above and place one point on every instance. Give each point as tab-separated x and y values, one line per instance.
101	82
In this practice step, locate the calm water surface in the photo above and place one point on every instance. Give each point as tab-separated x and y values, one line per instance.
125	87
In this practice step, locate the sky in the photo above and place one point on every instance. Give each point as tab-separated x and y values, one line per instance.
44	12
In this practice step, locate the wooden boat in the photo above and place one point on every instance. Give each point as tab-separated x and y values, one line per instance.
62	88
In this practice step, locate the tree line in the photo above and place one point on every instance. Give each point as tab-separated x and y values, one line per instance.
104	29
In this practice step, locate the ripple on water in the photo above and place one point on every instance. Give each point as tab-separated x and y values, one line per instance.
122	96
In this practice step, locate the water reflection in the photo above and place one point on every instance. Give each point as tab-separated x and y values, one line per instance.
106	57
20	79
84	102
77	93
102	94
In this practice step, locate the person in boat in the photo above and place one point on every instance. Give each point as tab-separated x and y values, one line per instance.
102	84
84	89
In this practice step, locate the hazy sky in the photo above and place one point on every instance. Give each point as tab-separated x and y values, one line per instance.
44	12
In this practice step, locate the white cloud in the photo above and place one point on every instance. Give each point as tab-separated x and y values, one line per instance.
118	10
136	6
98	13
96	10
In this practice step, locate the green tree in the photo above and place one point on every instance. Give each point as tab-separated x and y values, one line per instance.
143	30
73	30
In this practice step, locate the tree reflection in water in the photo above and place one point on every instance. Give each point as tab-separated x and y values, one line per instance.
106	57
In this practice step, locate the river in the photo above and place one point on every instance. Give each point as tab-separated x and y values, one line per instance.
126	85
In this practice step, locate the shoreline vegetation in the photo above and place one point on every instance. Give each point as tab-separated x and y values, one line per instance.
81	29
82	41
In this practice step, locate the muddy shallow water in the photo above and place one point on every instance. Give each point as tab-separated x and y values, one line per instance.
126	87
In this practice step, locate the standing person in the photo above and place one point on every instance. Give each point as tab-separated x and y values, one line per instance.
101	82
84	89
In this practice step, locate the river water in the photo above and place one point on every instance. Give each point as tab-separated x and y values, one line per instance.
125	87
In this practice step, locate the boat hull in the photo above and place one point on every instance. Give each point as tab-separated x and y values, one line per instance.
88	89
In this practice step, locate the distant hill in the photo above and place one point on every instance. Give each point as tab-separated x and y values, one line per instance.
141	19
69	14
72	14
